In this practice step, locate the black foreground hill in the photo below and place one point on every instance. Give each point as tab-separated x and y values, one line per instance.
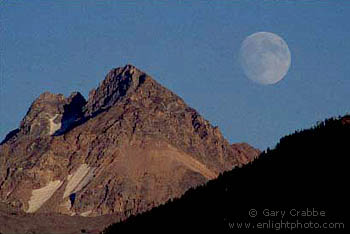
307	172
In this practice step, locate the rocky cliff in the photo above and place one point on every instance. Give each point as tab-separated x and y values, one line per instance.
131	146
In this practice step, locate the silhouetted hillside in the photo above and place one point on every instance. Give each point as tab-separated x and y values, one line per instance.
306	170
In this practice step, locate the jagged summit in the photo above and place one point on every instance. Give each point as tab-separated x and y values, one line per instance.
131	146
117	84
50	114
53	114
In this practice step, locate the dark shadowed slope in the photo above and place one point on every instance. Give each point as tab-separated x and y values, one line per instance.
306	170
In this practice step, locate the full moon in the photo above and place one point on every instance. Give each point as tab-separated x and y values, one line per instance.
265	58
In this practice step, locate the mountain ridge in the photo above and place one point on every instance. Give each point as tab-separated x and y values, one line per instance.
131	146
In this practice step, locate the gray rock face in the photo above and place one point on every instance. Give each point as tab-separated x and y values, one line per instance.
52	113
116	85
43	112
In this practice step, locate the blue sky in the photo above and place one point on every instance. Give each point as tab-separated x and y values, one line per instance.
191	47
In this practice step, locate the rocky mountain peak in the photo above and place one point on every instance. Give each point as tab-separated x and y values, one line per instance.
132	146
52	113
116	85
